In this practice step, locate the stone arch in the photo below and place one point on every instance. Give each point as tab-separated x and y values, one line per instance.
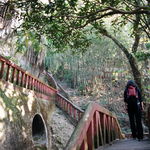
39	131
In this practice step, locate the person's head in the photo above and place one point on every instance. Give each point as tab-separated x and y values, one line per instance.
131	82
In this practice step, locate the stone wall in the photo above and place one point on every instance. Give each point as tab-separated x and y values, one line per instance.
24	119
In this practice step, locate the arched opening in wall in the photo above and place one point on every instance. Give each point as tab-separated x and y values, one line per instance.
39	132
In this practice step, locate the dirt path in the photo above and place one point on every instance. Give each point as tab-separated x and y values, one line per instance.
61	130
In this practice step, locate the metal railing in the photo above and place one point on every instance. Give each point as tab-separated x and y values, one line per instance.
62	101
52	82
72	110
97	127
16	75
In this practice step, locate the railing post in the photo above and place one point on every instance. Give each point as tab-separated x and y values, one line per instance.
38	86
100	128
114	135
80	115
42	88
96	130
35	85
17	80
90	135
13	74
46	90
75	114
28	86
31	83
26	80
69	108
2	69
104	129
22	78
84	145
7	74
108	122
71	111
111	129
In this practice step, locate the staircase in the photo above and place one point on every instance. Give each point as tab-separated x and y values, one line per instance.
94	128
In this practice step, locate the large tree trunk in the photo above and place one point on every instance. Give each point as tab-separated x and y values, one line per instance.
135	70
132	61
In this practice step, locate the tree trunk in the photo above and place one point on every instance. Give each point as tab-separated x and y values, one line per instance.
132	61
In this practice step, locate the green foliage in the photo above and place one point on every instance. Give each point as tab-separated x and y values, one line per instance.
67	25
81	89
64	21
147	45
142	56
79	69
65	74
26	40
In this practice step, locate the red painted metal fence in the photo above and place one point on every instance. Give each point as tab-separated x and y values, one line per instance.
16	75
97	127
72	110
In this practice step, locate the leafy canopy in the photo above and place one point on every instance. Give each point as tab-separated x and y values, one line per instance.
64	21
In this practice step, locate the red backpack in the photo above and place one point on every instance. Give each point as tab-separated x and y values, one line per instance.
132	92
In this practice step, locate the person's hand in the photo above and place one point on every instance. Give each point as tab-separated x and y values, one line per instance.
142	107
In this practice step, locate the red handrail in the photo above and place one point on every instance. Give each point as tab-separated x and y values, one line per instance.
16	75
97	127
72	110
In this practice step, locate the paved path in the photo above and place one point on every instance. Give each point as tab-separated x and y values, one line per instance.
128	144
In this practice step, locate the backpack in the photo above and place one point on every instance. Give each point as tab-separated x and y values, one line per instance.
132	92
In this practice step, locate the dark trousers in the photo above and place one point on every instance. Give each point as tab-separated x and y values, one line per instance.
134	113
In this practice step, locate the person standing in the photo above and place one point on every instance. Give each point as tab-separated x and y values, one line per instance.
134	105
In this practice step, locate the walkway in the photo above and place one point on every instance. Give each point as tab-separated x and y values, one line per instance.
128	144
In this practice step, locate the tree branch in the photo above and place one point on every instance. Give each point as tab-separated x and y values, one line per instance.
136	29
139	10
131	59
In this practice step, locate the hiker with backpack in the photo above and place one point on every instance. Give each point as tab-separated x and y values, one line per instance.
134	106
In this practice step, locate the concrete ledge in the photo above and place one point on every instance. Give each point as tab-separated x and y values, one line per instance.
18	107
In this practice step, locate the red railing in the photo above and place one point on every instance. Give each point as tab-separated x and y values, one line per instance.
97	127
16	75
62	101
72	110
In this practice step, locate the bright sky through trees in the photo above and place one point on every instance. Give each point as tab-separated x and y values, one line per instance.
44	1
